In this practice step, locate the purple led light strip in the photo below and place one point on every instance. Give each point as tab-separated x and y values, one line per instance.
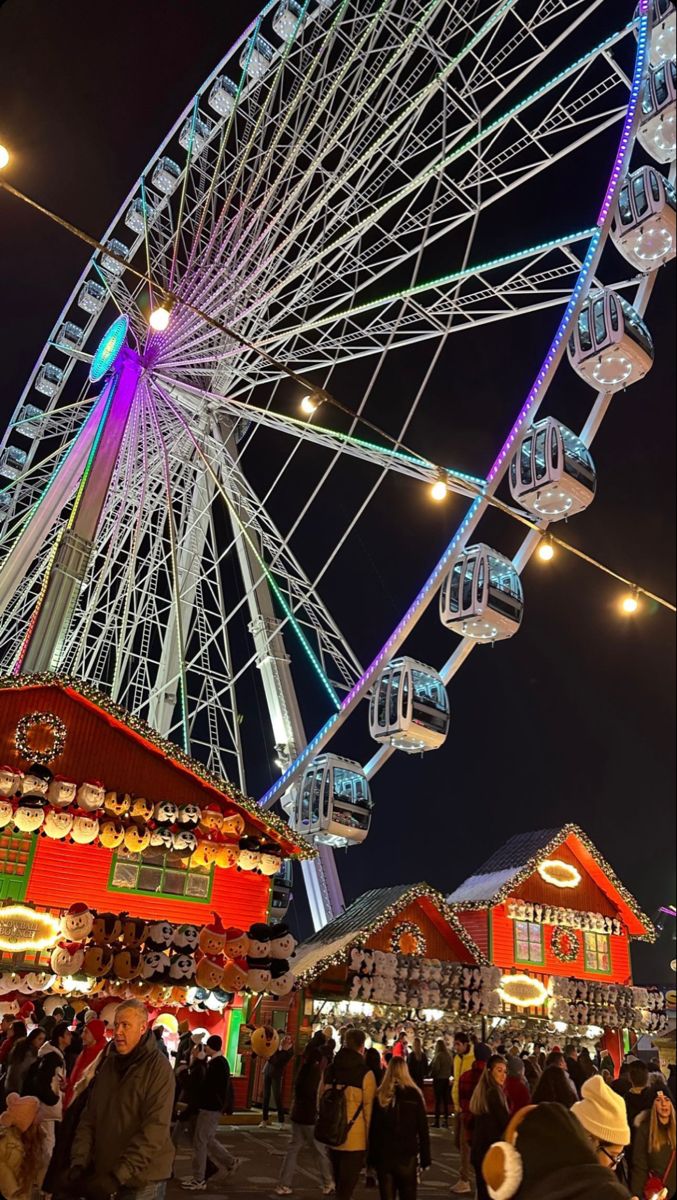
531	403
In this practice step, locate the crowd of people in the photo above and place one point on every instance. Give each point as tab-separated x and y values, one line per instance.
92	1117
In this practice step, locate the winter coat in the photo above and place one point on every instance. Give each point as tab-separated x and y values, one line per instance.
348	1070
586	1181
460	1064
306	1091
49	1074
489	1127
277	1063
466	1086
11	1160
399	1132
516	1093
83	1071
646	1162
637	1103
418	1068
125	1125
21	1059
441	1066
212	1089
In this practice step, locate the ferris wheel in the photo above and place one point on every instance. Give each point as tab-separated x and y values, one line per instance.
158	485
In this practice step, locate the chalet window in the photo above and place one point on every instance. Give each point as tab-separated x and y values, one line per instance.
16	855
529	942
597	953
160	873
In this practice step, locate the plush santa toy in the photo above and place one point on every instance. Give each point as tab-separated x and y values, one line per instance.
6	812
10	781
58	824
209	972
237	942
212	940
67	958
235	975
85	829
77	922
233	825
165	813
90	796
61	791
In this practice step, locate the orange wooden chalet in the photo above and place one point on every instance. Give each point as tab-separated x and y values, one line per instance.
547	904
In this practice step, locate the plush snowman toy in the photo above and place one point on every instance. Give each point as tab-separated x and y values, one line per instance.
36	780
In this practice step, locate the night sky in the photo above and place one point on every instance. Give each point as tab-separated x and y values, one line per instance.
573	719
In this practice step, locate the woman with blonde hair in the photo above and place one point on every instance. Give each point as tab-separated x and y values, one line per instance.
654	1150
399	1139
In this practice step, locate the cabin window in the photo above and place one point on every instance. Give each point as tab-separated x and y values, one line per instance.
624	209
661	86
525	460
539	454
655	189
529	943
597	953
598	319
639	192
613	310
160	873
584	329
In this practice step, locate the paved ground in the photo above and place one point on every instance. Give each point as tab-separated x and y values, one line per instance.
262	1151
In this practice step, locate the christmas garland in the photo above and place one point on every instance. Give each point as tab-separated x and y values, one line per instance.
408	929
55	726
565	944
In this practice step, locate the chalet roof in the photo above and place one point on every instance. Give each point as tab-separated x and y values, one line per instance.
364	917
520	857
83	693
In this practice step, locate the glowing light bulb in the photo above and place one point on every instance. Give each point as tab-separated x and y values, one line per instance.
4	157
630	603
308	405
546	550
159	318
439	490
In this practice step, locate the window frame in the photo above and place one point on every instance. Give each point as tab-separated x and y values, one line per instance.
596	970
162	894
529	962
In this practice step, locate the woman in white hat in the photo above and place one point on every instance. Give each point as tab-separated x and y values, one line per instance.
603	1115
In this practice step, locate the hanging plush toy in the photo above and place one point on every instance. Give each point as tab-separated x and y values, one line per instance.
271	859
212	940
85	829
235	975
165	813
126	963
237	942
209	973
265	1041
189	816
258	944
6	812
66	958
39	981
10	781
233	825
206	854
211	819
182	969
29	814
134	931
185	938
58	823
111	833
36	780
137	838
249	858
184	842
282	942
90	796
227	856
161	839
282	978
141	809
159	936
106	929
61	791
97	961
77	922
154	966
117	804
258	974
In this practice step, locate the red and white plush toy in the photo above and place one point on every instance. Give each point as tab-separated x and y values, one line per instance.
235	975
36	780
10	781
30	813
237	942
77	921
85	829
91	795
61	791
212	940
58	823
67	958
6	812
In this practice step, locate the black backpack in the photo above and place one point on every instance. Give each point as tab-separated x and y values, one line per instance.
332	1126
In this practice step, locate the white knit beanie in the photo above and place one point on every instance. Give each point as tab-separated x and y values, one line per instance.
602	1112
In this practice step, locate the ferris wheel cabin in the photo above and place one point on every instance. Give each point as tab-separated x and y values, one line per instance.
656	131
663	41
409	707
333	802
643	228
481	597
552	473
611	346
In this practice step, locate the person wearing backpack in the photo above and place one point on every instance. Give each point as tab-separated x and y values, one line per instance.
212	1101
303	1119
346	1106
399	1139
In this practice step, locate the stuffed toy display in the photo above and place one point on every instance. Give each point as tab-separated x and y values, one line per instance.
36	780
6	811
10	781
90	796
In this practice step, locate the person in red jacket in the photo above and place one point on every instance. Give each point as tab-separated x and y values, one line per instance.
515	1086
466	1086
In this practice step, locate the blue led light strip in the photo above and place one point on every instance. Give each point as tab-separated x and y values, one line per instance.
550	363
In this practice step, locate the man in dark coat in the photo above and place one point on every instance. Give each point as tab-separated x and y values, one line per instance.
273	1079
211	1099
123	1142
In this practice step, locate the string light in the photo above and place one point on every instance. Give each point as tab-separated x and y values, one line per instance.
523	991
546	550
40	720
630	603
160	317
308	405
439	490
4	157
561	874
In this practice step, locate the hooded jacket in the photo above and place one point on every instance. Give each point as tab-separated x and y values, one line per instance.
348	1070
399	1132
124	1129
460	1064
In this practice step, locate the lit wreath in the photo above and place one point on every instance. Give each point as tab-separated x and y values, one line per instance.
23	731
407	929
565	944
